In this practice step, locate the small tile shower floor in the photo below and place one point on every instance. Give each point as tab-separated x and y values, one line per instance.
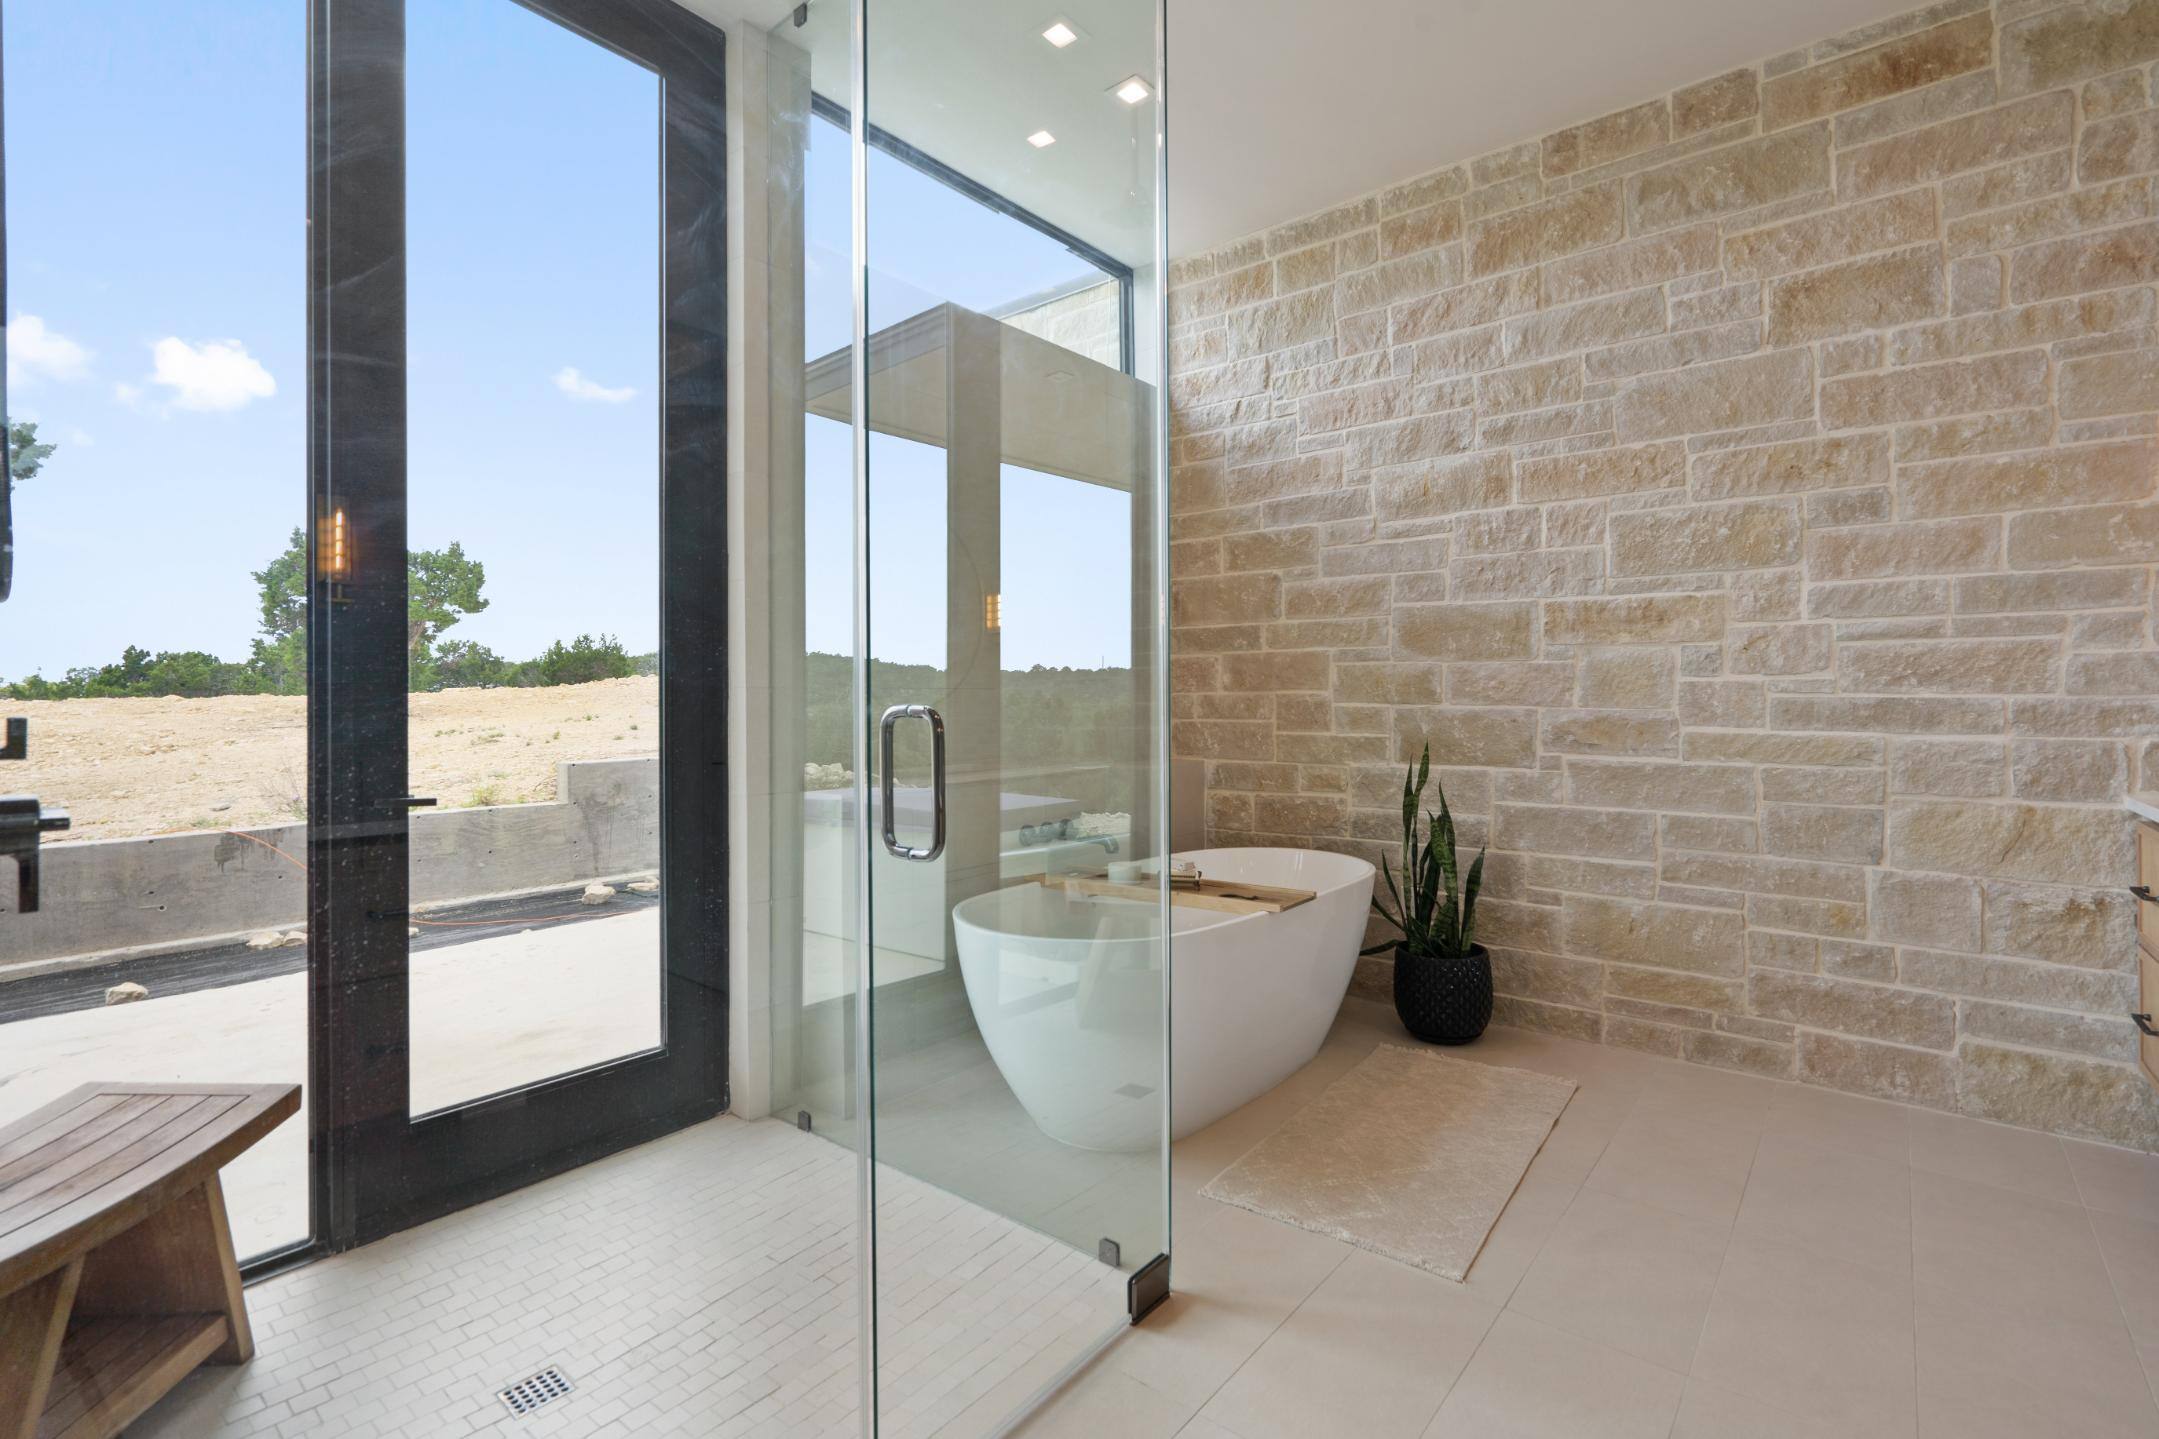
1693	1255
706	1283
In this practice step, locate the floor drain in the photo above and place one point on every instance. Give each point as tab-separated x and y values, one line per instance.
535	1391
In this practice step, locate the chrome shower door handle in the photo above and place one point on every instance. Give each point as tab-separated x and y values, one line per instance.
890	819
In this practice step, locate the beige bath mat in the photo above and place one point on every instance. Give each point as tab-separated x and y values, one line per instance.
1412	1154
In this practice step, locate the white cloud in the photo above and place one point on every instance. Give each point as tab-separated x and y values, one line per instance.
577	387
214	375
35	351
127	394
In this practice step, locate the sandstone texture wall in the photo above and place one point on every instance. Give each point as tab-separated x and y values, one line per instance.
1751	496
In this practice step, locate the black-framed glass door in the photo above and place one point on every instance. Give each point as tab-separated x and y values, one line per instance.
517	588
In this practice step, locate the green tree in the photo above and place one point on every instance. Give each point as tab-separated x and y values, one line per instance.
582	660
26	455
441	586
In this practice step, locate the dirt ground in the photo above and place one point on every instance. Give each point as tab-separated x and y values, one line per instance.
124	767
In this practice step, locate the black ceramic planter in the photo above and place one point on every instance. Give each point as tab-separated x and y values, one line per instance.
1443	1001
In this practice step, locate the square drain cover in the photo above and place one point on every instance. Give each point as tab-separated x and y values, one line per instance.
535	1391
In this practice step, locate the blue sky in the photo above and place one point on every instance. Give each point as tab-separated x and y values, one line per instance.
156	234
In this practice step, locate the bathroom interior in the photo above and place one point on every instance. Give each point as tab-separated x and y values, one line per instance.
858	876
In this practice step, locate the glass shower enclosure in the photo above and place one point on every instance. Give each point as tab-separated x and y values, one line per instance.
968	972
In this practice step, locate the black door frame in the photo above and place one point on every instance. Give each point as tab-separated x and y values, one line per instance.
373	1169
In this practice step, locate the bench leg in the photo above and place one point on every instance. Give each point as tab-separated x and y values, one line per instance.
33	1321
178	1261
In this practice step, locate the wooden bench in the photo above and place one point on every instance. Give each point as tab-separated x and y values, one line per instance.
117	1274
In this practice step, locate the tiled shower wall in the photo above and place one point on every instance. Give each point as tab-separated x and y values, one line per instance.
1750	495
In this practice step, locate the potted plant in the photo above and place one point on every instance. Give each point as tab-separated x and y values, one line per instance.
1442	977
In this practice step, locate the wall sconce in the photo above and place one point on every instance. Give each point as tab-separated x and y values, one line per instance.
333	549
993	612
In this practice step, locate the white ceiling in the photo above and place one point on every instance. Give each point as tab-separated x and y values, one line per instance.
1278	108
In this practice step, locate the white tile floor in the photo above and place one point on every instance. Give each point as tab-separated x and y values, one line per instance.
703	1284
1693	1255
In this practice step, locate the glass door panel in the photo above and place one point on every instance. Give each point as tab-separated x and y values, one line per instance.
521	557
154	640
1016	964
533	403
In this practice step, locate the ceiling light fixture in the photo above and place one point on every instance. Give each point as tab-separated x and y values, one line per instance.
1132	89
1060	34
1041	139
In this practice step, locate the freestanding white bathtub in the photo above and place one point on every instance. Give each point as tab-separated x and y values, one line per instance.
1067	994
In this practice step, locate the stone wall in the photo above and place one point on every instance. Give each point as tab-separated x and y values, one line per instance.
1750	496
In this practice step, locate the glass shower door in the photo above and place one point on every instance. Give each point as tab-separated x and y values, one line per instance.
1014	965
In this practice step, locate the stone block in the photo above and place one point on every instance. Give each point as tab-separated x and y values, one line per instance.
1880	290
1970	142
1610	732
2085	1098
2105	260
2074	475
1489	737
1538	574
1725	703
1695	831
1828	832
1873	599
2048	843
2124	382
1964	769
1927	392
1626	679
2065	45
1436	487
1734	95
1725	395
1225	599
2087	535
2020	327
1606	139
1869	1011
1741	747
1651	785
1555	829
1601	472
1904	63
1561	225
1510	684
1895	714
1882	1071
2069	771
1271	672
2088	928
1763	874
1736	177
1929	548
1634	620
1780	649
1976	666
2015	981
1831	236
1848	959
1464	632
1302	815
1834	463
1674	987
1748	535
1630	266
1938	911
1770	949
2100	1037
1698	941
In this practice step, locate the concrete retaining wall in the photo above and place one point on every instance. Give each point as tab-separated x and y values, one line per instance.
167	890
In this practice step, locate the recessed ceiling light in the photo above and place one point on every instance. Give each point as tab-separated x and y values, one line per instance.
1132	89
1060	34
1041	139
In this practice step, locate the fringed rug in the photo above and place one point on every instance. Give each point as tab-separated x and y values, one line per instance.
1412	1154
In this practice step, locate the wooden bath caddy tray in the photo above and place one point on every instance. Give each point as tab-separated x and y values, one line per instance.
1225	895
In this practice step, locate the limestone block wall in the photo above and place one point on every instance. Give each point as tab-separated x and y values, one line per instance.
1750	495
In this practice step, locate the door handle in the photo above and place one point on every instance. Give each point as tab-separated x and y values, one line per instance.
2144	892
411	801
24	822
2144	1022
890	819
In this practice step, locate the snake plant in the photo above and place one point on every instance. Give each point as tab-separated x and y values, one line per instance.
1435	919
